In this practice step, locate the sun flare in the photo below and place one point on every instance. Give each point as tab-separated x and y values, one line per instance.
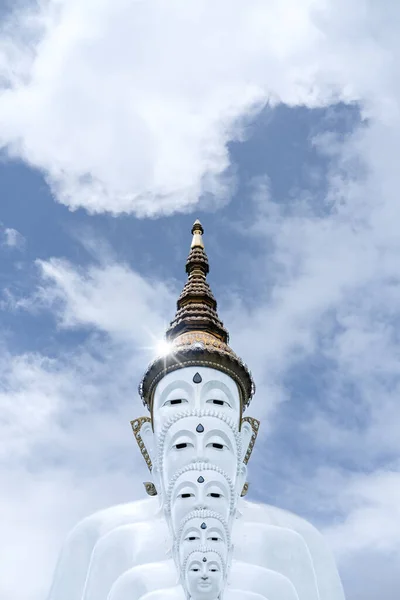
163	348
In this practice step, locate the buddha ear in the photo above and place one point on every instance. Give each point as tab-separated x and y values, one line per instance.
149	445
241	479
156	476
246	432
143	432
229	565
174	552
229	557
147	435
249	430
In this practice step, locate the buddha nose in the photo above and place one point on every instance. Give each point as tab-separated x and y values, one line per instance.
203	458
197	402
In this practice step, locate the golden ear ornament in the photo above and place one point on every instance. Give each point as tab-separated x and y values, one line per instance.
136	425
255	426
150	488
245	489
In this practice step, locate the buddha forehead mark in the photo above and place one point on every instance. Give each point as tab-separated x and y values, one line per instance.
197	378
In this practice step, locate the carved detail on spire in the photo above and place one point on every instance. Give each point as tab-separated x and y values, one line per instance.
196	306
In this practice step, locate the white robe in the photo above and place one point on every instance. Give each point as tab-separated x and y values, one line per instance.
110	543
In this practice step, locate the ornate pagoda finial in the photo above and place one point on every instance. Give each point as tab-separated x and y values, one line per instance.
197	231
196	335
196	306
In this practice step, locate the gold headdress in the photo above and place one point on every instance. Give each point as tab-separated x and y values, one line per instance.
196	335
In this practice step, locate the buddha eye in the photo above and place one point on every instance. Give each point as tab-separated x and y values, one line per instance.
183	445
215	539
216	446
187	495
219	402
213	570
192	538
195	569
214	495
175	402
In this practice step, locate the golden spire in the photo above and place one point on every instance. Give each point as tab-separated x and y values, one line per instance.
196	306
197	336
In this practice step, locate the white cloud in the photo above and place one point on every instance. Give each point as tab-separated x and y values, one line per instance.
60	416
11	237
128	106
373	519
66	450
66	446
111	297
318	268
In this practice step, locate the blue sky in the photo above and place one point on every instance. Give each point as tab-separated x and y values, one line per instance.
278	127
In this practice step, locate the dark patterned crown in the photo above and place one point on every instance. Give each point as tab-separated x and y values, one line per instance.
196	335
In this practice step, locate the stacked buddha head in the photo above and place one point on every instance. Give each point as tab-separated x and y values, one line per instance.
196	442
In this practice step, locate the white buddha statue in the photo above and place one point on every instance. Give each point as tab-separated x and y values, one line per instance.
204	572
196	538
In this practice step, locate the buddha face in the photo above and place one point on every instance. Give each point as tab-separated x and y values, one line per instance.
203	531
205	489
195	388
204	578
201	438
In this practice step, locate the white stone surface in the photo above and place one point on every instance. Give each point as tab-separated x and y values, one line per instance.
75	559
198	540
